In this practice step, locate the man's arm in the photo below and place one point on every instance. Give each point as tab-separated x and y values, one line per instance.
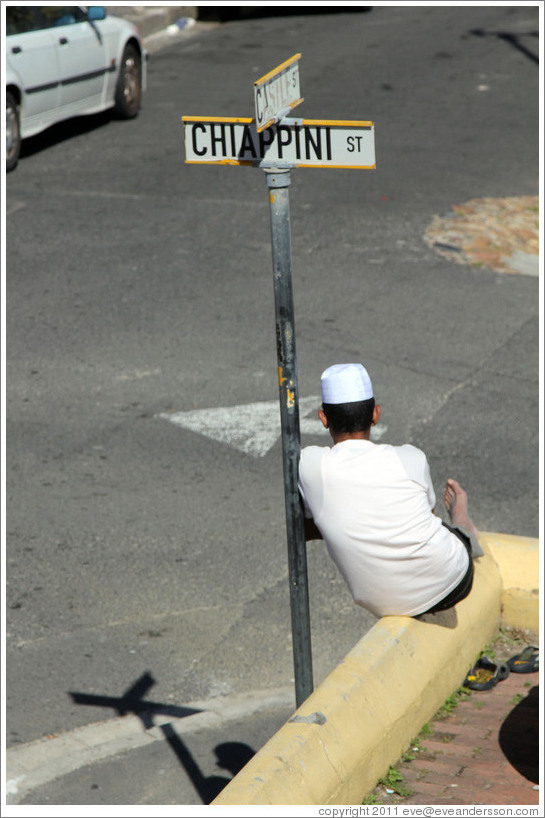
312	532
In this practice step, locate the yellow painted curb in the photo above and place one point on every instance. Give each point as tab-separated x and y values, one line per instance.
364	714
518	561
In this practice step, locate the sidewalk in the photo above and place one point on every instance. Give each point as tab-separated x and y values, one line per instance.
500	234
161	26
485	751
152	19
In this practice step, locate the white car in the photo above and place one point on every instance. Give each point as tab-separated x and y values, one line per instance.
64	61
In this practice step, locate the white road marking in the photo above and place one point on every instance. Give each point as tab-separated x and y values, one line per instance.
252	428
100	194
13	208
137	374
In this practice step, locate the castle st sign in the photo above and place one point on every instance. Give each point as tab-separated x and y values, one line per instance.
277	93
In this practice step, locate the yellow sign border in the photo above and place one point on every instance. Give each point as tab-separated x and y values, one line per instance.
249	163
345	123
278	70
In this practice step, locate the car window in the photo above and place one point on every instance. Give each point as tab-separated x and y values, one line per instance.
62	15
20	19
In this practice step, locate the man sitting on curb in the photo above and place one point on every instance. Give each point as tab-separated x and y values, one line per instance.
373	504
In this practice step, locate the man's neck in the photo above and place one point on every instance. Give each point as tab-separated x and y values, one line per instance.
351	436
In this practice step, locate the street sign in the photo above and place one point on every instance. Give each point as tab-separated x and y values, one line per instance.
277	93
310	143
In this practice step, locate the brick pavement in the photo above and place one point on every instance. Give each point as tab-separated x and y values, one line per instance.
500	234
485	751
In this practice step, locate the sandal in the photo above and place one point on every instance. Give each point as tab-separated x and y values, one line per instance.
486	674
525	662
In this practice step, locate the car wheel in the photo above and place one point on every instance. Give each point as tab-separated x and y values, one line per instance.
13	132
129	83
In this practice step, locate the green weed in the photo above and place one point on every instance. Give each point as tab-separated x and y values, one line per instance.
451	702
412	750
393	780
489	651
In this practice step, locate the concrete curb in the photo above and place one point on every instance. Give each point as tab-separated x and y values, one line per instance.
518	561
363	716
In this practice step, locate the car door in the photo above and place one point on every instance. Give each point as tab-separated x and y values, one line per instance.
81	56
32	56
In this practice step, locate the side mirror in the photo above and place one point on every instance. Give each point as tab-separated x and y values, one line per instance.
96	13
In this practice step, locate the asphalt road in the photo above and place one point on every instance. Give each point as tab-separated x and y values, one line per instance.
139	287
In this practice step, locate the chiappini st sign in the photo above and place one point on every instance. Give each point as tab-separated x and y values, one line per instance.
311	143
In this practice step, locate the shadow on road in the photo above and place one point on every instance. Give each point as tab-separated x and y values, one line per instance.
231	756
69	129
225	14
132	702
512	39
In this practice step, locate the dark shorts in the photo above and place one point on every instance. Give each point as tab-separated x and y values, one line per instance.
464	586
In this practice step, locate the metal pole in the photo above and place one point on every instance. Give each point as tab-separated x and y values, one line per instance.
278	182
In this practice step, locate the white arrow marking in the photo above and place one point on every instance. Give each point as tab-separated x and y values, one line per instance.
252	428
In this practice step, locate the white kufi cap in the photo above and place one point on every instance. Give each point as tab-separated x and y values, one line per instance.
346	383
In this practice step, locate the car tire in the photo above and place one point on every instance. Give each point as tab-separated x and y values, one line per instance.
13	132
128	90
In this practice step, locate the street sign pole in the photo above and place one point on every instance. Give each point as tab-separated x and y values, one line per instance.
278	181
276	143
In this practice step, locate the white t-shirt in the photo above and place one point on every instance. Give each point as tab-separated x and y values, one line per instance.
373	505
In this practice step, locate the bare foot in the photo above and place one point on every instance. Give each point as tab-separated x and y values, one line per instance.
456	504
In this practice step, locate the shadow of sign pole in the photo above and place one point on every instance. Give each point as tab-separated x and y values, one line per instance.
278	182
132	702
231	755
